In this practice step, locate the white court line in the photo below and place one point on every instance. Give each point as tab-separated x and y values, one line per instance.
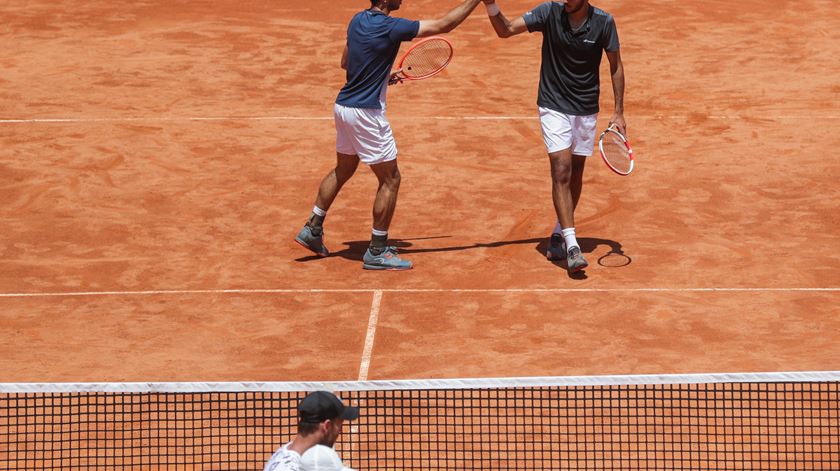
330	118
410	290
371	334
166	119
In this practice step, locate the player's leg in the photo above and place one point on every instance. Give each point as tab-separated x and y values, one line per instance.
576	183
557	135
388	175
568	170
377	149
311	235
583	136
562	136
557	244
564	206
345	167
380	256
561	187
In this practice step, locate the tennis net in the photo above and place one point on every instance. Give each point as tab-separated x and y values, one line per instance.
755	421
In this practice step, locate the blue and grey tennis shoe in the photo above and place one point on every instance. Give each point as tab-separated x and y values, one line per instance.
387	260
575	261
312	242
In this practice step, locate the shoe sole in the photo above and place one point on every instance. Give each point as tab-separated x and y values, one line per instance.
578	268
304	245
381	268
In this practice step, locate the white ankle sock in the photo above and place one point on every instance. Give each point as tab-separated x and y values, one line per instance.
569	237
318	211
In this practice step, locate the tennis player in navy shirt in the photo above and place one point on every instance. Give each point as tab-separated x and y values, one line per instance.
363	133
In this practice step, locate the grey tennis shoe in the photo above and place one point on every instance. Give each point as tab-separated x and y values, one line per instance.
556	248
387	260
313	242
575	261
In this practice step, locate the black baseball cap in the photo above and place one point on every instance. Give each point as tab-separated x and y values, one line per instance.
322	405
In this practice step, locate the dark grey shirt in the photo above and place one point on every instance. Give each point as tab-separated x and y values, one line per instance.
571	60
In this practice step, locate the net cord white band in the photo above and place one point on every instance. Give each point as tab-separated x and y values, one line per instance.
391	385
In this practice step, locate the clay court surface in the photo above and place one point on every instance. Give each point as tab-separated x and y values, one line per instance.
157	159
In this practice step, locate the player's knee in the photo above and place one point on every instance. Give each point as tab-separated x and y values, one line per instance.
344	172
394	179
561	173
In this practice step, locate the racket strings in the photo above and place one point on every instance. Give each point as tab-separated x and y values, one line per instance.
616	152
426	59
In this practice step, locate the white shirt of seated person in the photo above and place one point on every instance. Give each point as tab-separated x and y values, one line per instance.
322	458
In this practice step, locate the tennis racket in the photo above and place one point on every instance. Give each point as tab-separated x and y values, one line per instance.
425	59
616	151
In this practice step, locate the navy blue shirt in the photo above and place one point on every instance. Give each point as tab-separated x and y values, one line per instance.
571	59
373	40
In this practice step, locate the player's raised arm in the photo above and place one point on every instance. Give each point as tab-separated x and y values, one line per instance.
504	27
449	21
532	20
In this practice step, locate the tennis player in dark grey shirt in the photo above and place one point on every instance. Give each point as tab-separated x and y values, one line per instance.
575	36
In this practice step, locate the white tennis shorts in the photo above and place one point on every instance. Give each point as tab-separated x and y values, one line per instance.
564	131
364	132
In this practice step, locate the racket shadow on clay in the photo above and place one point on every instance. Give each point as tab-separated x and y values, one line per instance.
615	258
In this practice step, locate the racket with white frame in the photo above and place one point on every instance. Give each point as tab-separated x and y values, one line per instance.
616	151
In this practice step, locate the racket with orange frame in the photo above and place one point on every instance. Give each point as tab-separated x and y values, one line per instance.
425	59
616	151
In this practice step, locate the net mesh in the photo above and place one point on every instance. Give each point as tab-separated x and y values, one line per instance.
427	58
615	152
715	426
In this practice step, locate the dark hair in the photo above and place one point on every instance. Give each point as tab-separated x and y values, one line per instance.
305	428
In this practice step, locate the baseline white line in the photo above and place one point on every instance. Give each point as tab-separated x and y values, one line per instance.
410	290
373	320
330	118
167	119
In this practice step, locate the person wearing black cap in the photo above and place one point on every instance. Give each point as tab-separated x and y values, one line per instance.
321	415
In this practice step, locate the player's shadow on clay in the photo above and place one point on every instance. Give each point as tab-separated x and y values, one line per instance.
355	250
